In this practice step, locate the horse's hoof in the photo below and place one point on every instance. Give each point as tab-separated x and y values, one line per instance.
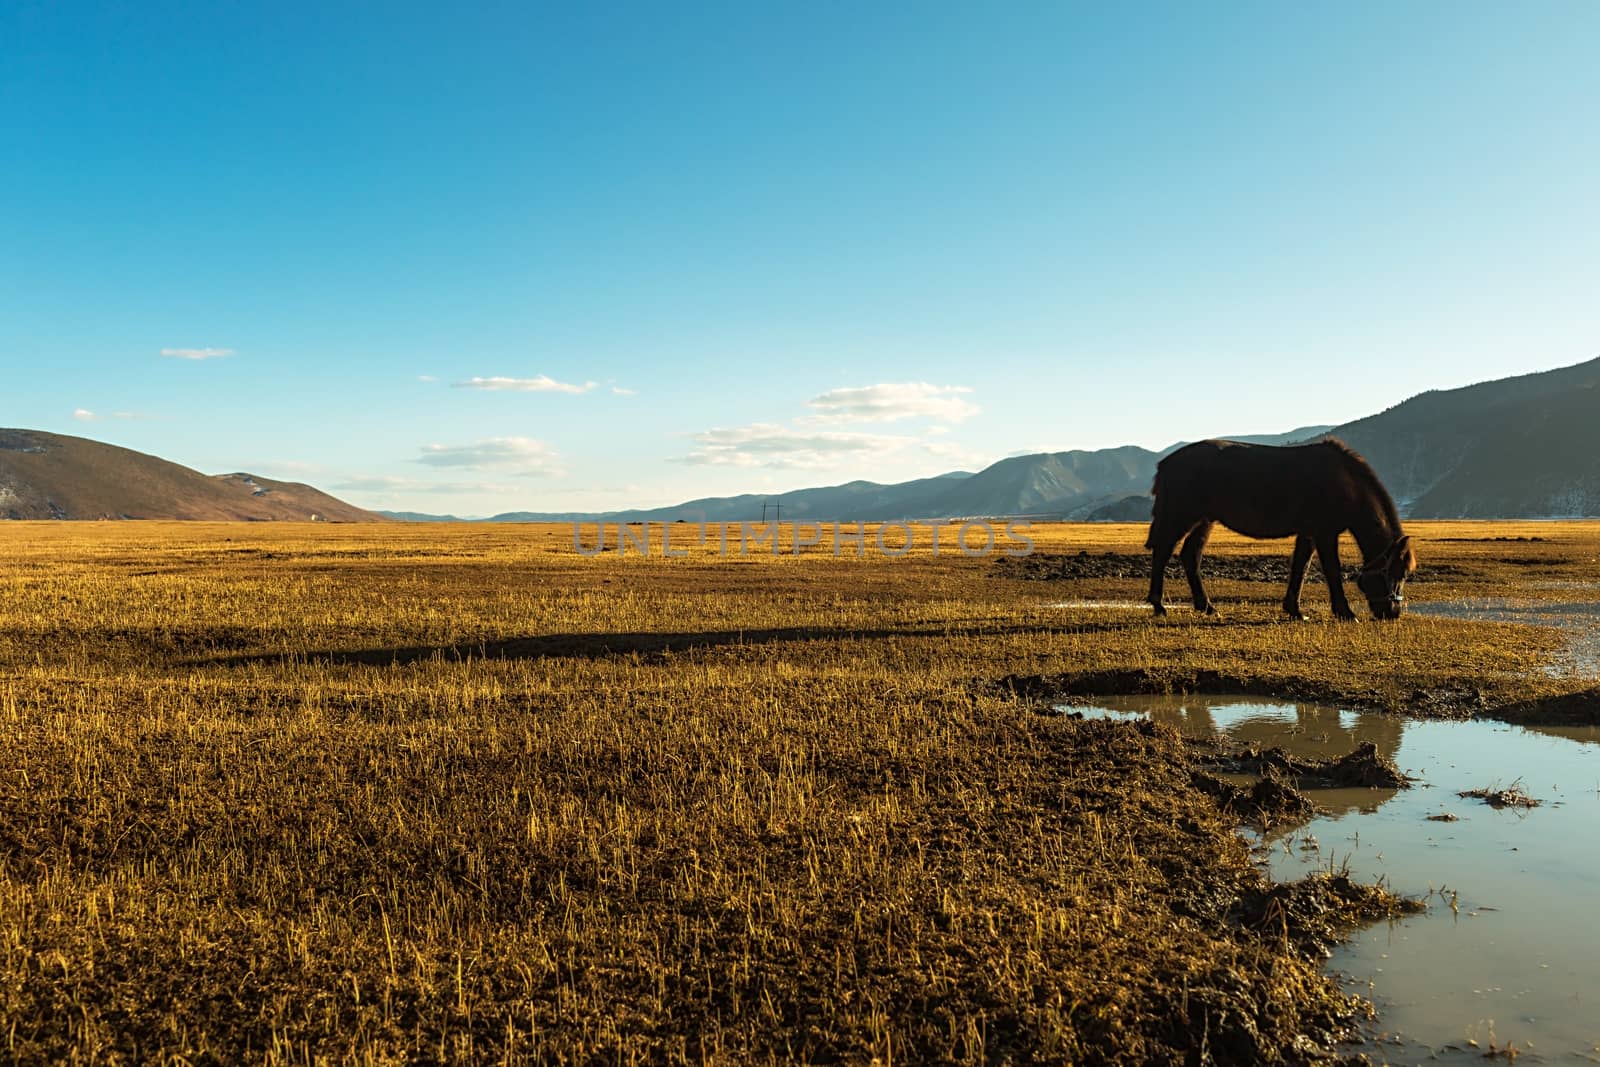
1296	616
1207	609
1158	610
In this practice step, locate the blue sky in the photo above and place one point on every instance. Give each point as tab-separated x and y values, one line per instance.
527	257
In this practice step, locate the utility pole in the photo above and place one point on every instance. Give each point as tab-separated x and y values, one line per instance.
777	510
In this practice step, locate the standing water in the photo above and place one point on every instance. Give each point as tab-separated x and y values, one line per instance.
1508	953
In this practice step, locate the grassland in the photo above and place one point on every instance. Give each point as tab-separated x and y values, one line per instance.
361	794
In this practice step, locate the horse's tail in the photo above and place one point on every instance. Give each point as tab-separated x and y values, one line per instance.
1155	491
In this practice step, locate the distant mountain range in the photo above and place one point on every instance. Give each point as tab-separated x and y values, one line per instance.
50	476
1067	485
1523	447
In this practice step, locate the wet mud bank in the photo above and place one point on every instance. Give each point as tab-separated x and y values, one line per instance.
1232	964
1448	699
1486	822
1452	700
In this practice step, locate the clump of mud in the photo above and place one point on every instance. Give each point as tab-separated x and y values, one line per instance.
1276	797
1313	913
1269	802
1364	768
1512	796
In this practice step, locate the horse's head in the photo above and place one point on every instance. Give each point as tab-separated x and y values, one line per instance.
1382	579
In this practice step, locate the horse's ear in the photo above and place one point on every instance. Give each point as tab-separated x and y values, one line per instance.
1404	555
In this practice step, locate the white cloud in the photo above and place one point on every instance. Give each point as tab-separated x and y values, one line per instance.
382	484
196	353
426	378
85	415
805	444
771	445
620	391
541	384
890	401
522	456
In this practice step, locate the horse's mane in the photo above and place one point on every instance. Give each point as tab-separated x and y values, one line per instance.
1363	470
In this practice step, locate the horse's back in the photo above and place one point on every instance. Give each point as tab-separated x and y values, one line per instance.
1256	490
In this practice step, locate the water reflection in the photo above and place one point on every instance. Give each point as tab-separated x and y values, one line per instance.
1306	731
1517	957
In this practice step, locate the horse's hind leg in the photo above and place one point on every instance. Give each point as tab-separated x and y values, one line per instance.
1164	536
1297	575
1193	546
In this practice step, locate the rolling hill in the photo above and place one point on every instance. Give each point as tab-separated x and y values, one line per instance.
826	504
1522	447
51	476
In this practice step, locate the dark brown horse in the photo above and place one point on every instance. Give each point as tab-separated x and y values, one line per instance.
1312	493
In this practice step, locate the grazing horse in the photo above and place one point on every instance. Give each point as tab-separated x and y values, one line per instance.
1312	493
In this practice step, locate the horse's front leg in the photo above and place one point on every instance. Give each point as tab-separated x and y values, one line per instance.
1297	575
1328	557
1193	546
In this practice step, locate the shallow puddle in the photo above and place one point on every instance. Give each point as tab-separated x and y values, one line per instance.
1508	952
1578	621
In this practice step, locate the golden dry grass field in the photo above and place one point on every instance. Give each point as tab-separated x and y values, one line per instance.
385	794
